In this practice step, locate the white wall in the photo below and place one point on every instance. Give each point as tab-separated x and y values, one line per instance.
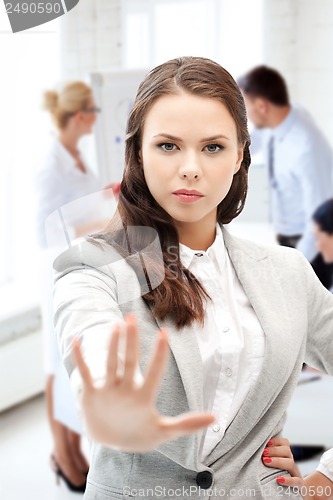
91	38
299	42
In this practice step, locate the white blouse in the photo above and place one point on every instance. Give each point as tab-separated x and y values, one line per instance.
231	342
59	182
326	464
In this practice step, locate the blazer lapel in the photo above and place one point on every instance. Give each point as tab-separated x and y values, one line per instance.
185	350
261	284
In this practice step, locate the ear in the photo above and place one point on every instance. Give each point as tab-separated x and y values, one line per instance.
262	105
78	117
240	156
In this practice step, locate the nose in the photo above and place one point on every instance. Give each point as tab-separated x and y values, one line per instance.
190	168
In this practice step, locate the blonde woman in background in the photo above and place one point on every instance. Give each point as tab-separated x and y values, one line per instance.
63	178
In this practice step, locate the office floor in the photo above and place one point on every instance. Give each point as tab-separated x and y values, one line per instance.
25	443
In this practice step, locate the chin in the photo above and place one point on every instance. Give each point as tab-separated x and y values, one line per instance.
328	259
187	220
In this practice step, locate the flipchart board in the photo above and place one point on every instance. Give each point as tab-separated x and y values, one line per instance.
114	93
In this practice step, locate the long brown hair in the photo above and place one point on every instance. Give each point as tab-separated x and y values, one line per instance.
180	295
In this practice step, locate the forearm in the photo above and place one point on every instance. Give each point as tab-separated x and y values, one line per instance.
318	486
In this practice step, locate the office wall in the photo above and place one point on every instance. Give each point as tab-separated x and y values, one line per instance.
299	42
91	38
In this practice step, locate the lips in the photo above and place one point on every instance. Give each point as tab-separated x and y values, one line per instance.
188	195
188	192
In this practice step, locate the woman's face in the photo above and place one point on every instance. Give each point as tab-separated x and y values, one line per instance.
87	117
190	154
324	243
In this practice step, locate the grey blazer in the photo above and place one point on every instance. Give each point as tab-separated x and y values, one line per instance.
296	314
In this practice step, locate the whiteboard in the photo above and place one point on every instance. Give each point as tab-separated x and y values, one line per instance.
114	93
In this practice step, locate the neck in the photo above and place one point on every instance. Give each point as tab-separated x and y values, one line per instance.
70	139
278	115
197	235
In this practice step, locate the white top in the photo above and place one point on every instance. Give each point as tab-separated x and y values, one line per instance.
231	342
60	182
326	464
303	168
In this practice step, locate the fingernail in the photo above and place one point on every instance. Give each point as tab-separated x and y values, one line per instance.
281	480
267	460
270	442
266	451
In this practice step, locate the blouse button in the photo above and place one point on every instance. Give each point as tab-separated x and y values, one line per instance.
216	428
226	329
228	372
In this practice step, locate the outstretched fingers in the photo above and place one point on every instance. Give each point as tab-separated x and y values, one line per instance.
157	366
187	423
112	357
132	350
81	365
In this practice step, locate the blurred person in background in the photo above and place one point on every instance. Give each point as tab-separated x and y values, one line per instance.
323	230
299	160
64	177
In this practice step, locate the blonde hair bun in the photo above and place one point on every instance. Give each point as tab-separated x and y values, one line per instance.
50	101
70	98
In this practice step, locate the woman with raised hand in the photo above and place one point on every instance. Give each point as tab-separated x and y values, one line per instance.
240	318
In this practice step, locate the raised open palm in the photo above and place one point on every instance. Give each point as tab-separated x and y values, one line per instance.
121	414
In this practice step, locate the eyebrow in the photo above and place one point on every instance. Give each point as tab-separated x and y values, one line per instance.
206	139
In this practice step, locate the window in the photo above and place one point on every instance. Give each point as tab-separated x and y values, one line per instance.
228	31
30	63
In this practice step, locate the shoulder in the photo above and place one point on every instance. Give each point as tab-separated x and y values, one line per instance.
50	163
97	264
112	254
86	253
259	251
306	129
288	265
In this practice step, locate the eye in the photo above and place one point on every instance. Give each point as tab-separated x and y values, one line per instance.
213	148
167	146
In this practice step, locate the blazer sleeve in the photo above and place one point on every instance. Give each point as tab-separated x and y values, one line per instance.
86	307
319	351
